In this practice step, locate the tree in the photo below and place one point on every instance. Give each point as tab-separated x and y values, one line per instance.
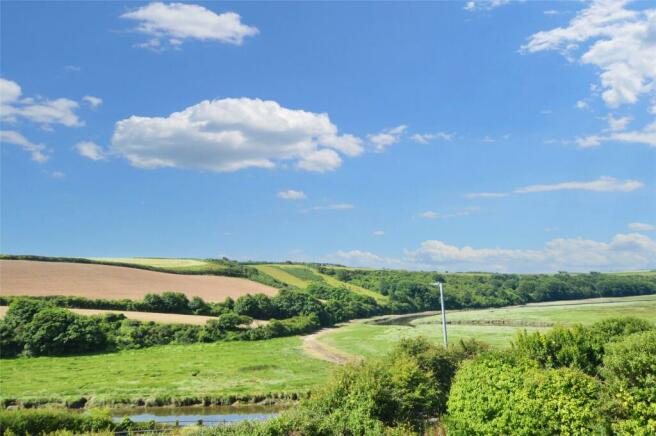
55	331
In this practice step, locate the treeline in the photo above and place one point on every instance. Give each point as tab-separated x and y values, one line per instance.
166	302
219	267
42	326
37	328
413	291
587	380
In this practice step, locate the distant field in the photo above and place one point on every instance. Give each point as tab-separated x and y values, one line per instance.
367	340
164	318
168	263
36	278
181	371
301	276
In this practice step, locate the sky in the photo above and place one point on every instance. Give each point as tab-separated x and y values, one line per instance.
460	136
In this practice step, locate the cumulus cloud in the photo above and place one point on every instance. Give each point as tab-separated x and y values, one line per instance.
92	101
642	227
35	109
232	134
169	25
621	44
603	184
291	194
363	258
624	252
380	141
631	251
425	138
37	151
90	150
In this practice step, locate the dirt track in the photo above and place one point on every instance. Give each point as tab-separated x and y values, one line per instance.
313	347
23	277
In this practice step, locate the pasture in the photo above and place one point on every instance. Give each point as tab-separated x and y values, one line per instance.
216	370
301	276
363	339
37	278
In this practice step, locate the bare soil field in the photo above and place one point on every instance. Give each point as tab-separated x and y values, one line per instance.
164	318
35	278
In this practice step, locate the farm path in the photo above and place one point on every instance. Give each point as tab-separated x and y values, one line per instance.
314	348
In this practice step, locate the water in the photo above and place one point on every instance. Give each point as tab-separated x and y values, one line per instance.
402	320
193	415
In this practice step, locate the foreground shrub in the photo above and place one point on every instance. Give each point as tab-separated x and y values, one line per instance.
501	394
392	395
630	373
578	347
44	421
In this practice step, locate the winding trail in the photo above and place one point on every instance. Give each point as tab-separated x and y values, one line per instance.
317	349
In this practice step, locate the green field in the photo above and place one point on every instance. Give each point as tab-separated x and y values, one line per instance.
180	371
362	339
301	276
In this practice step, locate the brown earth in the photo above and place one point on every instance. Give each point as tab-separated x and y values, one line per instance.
164	318
34	278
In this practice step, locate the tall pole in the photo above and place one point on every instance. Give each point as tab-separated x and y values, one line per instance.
446	340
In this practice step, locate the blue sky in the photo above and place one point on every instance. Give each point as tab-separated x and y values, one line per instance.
499	136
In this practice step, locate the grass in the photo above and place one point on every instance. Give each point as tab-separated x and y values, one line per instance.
301	276
368	340
172	371
282	276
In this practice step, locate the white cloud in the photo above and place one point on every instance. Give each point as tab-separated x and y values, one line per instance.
425	138
38	110
386	137
487	195
290	194
379	233
90	150
94	102
603	184
37	151
363	258
551	229
174	23
477	5
57	175
429	215
621	44
616	124
232	134
642	227
624	252
582	104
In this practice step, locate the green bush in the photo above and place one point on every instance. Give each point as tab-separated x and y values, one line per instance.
630	372
31	422
54	331
578	347
503	394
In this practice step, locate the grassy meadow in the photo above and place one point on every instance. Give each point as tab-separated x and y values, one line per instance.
363	339
216	370
301	276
